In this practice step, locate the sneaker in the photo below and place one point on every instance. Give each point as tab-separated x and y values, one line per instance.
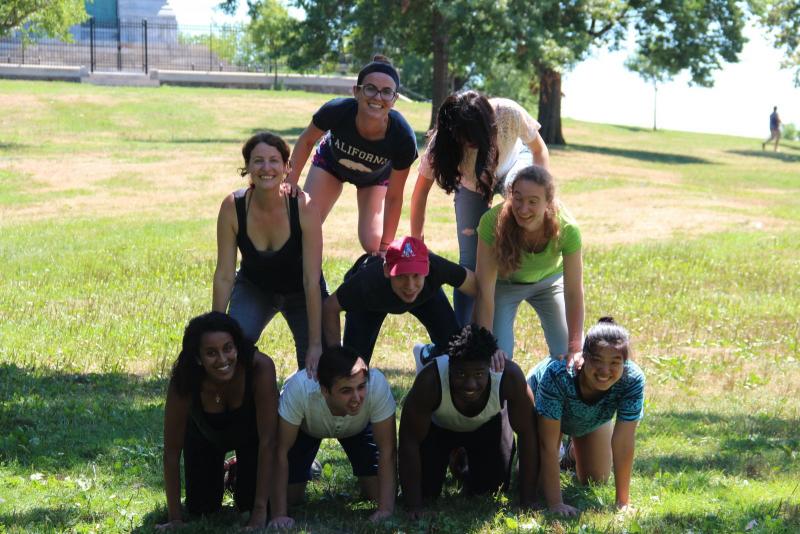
229	468
567	462
422	355
316	470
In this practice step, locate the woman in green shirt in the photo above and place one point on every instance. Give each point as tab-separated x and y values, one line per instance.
529	248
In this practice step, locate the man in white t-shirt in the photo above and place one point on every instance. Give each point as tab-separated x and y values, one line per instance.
351	403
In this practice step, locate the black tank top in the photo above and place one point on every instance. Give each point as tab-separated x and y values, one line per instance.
229	429
274	271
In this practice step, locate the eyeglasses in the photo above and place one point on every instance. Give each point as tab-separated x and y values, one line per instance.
369	90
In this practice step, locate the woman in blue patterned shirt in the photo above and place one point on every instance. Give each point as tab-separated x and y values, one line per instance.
582	404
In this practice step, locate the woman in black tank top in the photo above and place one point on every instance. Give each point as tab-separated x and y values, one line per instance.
280	240
222	396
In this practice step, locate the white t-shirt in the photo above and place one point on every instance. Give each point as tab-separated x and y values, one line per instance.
515	126
302	404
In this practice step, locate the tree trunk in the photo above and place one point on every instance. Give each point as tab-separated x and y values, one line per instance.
441	78
550	106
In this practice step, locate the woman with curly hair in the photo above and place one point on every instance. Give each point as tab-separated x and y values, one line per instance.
530	249
477	147
222	396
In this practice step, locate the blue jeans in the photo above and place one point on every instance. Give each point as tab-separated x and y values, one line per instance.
469	207
254	308
547	298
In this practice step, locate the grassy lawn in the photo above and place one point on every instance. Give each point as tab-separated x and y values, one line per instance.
108	201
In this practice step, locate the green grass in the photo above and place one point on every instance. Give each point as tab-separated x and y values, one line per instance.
94	302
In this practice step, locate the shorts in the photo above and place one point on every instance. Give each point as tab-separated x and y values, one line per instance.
360	449
323	158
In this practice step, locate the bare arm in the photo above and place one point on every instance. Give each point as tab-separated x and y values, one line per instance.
287	435
541	156
549	440
419	202
573	300
385	433
225	272
312	270
415	421
265	393
330	320
486	272
393	205
622	445
470	284
302	149
521	416
176	412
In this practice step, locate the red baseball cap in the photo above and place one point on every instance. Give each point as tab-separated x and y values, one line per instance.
407	255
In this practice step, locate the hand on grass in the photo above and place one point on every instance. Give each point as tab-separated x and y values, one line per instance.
565	510
379	515
281	522
175	523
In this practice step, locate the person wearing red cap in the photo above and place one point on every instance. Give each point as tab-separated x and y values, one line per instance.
409	279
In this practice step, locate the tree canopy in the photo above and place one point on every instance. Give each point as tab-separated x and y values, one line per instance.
782	19
51	17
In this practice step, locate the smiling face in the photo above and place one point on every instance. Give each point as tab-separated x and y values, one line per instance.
218	356
346	395
529	204
375	106
407	287
266	166
602	368
468	380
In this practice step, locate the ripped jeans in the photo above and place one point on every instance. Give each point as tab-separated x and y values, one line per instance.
469	207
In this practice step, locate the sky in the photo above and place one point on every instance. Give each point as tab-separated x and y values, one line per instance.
601	89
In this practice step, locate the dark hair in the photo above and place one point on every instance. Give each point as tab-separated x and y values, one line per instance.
607	333
336	362
510	241
186	373
463	118
472	343
267	138
381	64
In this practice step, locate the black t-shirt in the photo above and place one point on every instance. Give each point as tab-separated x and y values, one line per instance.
369	290
358	158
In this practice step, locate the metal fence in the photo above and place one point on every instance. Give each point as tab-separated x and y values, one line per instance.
140	46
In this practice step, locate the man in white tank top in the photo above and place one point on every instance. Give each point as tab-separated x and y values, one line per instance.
458	401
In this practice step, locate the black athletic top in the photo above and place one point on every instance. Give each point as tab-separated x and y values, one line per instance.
229	429
274	271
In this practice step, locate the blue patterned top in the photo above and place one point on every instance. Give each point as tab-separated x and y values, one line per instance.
555	388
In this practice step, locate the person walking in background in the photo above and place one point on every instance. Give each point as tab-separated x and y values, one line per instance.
475	150
530	249
366	143
774	129
280	238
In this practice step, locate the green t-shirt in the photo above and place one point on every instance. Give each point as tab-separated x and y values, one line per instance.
537	266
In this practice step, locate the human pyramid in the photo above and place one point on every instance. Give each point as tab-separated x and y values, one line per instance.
469	398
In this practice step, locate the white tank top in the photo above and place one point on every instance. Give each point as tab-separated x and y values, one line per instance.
448	417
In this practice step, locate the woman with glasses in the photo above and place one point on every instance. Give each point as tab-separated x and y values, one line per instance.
366	143
478	146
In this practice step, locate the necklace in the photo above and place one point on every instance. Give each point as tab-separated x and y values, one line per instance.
217	398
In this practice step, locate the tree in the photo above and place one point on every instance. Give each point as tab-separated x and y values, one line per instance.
552	36
651	73
782	19
269	30
51	17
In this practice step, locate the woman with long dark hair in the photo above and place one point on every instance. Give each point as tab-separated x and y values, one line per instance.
476	148
222	396
530	249
364	142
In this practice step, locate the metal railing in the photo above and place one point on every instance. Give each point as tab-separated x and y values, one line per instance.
140	46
